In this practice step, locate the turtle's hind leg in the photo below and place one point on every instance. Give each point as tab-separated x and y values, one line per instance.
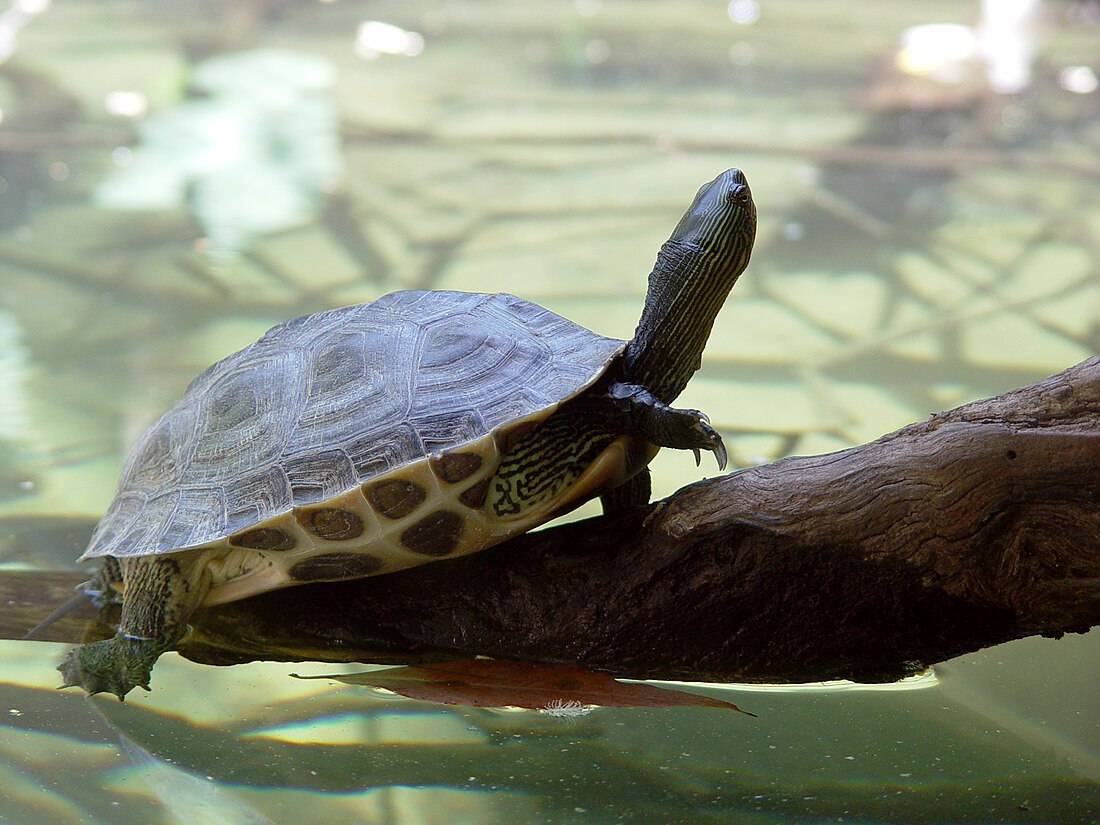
633	492
160	594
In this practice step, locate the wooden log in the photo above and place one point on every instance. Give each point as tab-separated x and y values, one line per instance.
976	526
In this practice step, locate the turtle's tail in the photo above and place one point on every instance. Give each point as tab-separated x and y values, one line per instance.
99	590
64	609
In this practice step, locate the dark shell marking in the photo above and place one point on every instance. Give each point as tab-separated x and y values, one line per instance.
474	498
327	403
264	538
456	467
334	566
434	535
395	499
331	523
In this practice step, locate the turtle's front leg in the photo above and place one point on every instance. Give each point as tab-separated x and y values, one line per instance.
159	596
643	414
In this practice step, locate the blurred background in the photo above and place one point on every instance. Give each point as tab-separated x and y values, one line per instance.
177	176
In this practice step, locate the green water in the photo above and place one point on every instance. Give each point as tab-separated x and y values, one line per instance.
176	177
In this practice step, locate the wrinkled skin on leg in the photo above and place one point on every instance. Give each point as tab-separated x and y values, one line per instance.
634	492
634	409
159	595
641	413
546	461
115	665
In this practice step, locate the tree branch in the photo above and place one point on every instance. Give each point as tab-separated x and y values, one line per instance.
976	526
979	525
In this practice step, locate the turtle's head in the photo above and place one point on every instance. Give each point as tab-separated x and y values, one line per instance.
722	213
695	270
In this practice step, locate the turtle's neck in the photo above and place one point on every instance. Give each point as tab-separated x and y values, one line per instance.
695	270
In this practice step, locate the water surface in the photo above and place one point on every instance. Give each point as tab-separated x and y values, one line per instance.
177	177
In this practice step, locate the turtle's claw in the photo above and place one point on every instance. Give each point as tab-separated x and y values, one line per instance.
712	441
720	454
665	426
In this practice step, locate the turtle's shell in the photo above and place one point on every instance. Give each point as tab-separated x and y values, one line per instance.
291	445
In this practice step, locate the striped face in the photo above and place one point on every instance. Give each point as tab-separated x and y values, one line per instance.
721	220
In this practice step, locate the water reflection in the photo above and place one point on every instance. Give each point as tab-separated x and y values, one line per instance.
256	154
920	245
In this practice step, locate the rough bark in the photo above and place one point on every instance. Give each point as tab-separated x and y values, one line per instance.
979	525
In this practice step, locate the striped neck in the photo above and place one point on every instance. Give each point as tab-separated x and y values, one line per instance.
695	270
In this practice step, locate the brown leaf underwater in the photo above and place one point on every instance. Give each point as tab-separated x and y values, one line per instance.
557	689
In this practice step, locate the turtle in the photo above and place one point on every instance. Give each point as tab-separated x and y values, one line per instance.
419	427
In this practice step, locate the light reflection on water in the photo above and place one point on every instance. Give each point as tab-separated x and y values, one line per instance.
922	243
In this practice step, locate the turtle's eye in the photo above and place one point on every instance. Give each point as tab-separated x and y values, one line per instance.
737	193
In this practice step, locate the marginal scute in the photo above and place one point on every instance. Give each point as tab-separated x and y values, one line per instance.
434	535
395	498
474	498
264	538
456	467
335	566
317	475
331	523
